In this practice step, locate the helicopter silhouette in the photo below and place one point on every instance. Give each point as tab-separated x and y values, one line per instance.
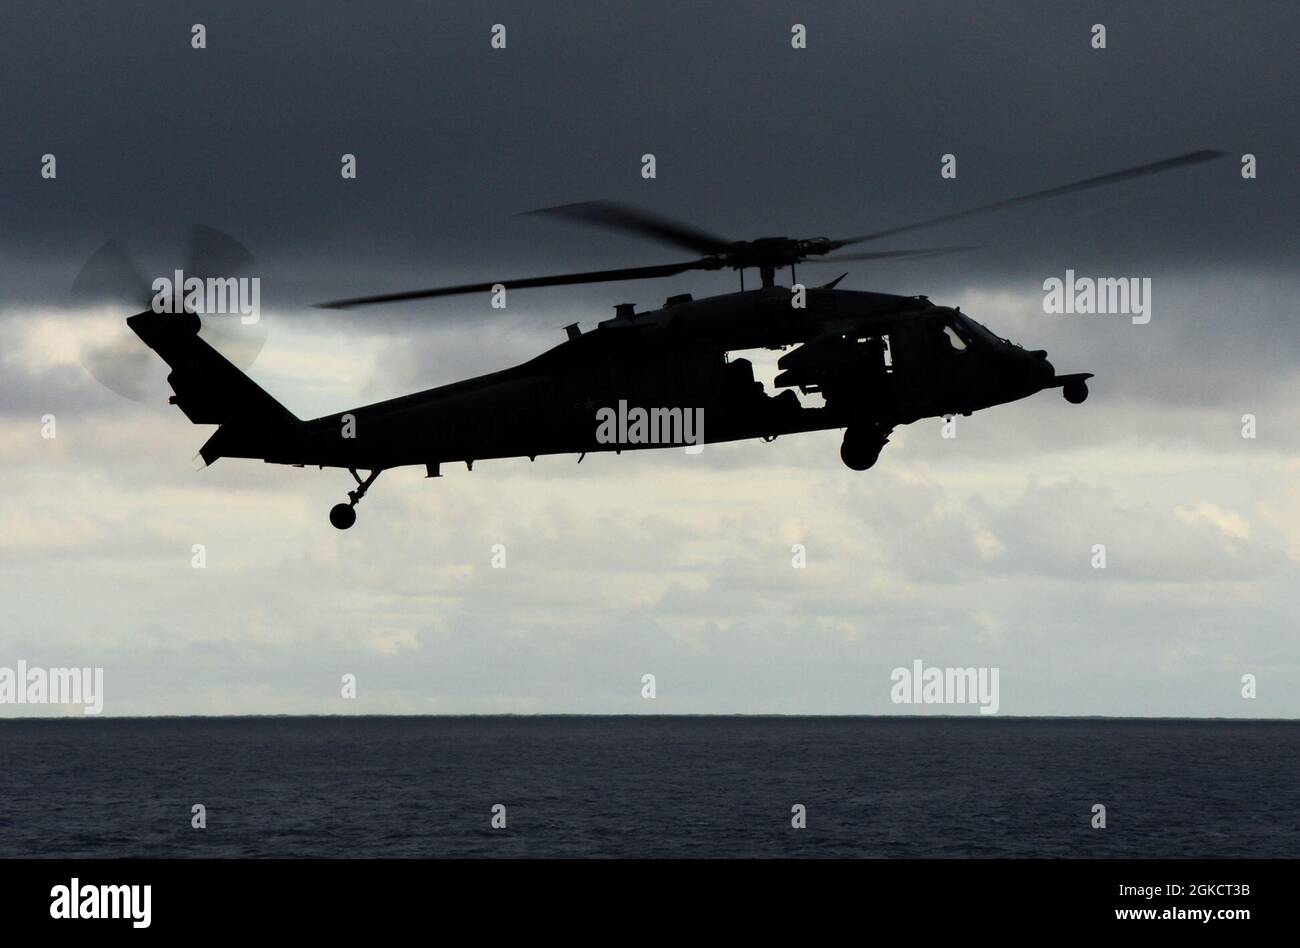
877	360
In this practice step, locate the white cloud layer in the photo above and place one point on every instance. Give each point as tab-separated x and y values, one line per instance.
973	551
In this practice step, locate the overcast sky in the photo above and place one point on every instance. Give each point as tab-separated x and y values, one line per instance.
973	551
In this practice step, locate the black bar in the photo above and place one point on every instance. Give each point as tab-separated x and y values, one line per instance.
655	897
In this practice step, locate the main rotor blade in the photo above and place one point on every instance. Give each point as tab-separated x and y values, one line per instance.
1156	167
633	220
882	254
594	276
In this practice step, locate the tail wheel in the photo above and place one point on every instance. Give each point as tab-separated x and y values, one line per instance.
1075	392
343	516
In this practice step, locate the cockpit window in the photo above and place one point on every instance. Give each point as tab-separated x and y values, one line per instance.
978	330
954	340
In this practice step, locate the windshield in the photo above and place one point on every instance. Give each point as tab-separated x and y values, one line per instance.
980	331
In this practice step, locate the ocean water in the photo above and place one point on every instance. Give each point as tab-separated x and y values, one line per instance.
648	786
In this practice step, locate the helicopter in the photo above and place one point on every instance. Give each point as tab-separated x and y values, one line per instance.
877	361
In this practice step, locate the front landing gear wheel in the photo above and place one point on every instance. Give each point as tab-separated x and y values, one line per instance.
343	516
859	451
1075	392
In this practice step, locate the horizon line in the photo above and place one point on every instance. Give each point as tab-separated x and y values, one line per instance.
630	715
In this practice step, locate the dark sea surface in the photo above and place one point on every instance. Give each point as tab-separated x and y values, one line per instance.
648	786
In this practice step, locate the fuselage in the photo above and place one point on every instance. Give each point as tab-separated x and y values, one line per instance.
888	359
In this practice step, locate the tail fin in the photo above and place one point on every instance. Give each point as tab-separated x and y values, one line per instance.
211	391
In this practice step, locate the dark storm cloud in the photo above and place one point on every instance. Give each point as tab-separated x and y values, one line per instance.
751	137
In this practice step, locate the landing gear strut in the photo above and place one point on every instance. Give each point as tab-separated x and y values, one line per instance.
343	516
862	445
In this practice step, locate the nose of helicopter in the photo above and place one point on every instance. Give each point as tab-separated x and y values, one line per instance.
1040	370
